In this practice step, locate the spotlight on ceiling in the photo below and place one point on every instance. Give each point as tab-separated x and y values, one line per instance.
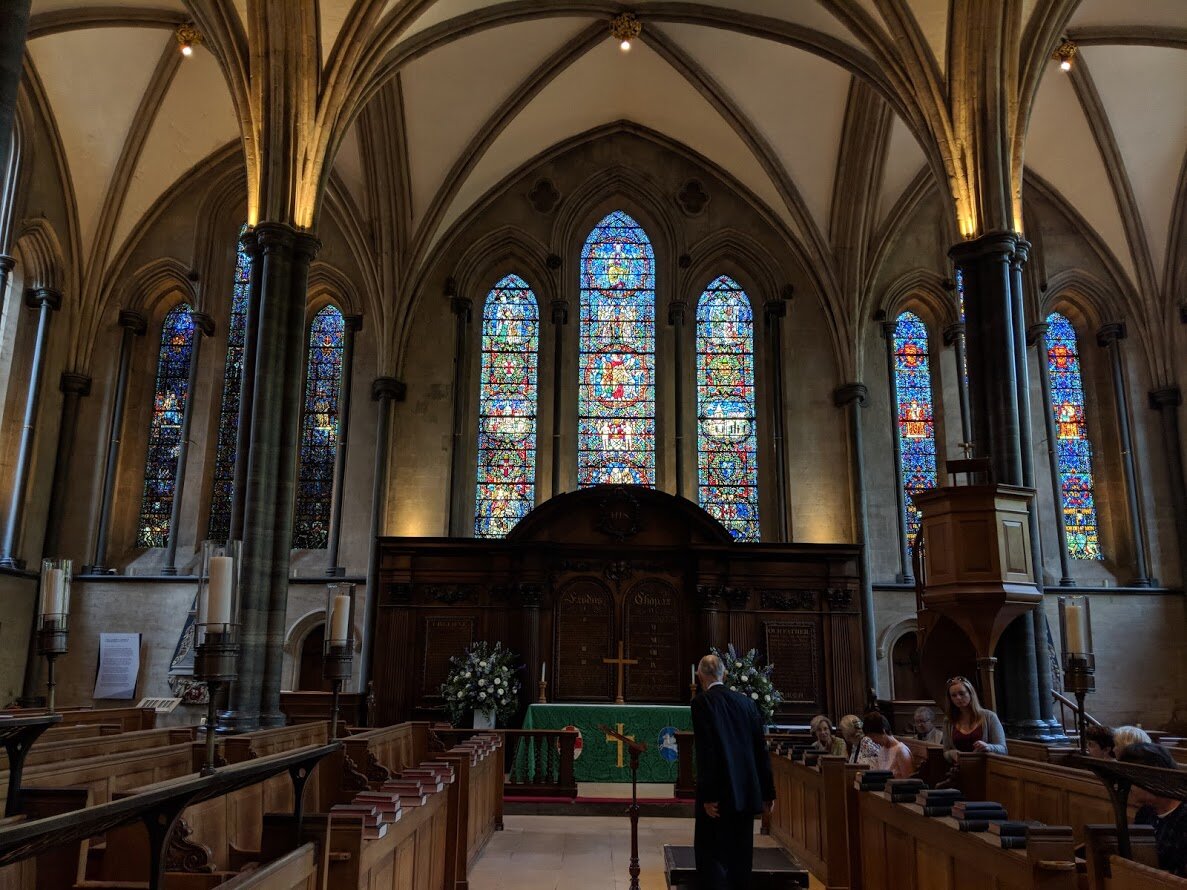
1064	53
188	36
624	28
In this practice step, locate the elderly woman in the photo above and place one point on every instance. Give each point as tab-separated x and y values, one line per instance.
826	742
861	749
1124	736
970	727
925	726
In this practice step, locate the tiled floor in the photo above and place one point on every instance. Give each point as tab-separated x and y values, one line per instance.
577	853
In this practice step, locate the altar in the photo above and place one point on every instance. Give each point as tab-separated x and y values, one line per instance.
597	758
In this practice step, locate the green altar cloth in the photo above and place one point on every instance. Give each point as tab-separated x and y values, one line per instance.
598	759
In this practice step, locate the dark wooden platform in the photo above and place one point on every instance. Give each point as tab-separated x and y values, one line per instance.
774	869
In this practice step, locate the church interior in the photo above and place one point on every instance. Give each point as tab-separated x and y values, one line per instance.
351	350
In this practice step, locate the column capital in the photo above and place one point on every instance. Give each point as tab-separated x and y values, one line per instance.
1110	333
74	383
7	263
560	311
1035	332
274	236
998	245
133	321
850	392
204	323
1166	397
888	328
388	388
774	310
353	323
676	312
461	307
953	332
1021	252
306	245
35	297
248	240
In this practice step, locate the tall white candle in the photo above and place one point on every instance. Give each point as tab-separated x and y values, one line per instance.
693	679
218	605
53	592
340	619
1073	616
542	666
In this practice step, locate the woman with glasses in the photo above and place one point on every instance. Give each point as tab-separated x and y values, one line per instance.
969	726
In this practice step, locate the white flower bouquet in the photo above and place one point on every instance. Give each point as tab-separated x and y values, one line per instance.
743	674
483	679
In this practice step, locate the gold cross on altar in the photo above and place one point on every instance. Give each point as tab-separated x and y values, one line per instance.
621	662
618	742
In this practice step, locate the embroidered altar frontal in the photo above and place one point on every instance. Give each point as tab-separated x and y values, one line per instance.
602	760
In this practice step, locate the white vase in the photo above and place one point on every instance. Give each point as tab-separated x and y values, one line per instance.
484	719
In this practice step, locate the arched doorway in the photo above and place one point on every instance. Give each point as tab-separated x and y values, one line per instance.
906	679
309	669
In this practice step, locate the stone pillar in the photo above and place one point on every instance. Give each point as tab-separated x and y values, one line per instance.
385	391
14	25
954	336
676	312
74	386
900	499
1109	337
7	264
774	311
352	324
461	307
45	300
247	384
852	396
560	318
1166	402
203	327
133	325
1038	335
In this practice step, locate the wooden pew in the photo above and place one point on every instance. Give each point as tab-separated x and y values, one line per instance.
295	871
1038	751
62	733
128	719
376	753
928	761
49	749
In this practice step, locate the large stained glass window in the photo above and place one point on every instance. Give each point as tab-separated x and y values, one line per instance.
916	420
228	415
506	488
164	433
319	431
616	392
1073	449
727	445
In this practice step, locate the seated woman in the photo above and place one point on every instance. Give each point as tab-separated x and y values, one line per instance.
861	749
893	755
1124	736
1167	815
925	726
969	726
826	742
1100	742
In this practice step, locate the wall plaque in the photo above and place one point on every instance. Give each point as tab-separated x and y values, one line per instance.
793	647
445	637
584	630
653	638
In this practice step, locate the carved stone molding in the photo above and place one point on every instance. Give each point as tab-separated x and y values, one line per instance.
187	855
692	197
544	196
788	600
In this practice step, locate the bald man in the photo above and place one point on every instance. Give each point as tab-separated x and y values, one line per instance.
734	781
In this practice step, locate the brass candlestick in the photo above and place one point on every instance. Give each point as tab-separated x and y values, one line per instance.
543	699
1079	664
215	660
216	653
338	654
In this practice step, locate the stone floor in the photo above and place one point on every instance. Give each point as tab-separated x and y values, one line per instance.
578	853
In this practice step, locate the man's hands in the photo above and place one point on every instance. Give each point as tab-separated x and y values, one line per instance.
711	810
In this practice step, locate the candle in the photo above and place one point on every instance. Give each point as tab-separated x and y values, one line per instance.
542	666
693	679
218	593
53	592
340	619
1076	628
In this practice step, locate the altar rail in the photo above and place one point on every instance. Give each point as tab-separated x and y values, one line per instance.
539	762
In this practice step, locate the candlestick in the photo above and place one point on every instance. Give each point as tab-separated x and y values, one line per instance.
338	663
216	653
54	612
218	604
693	678
340	619
543	699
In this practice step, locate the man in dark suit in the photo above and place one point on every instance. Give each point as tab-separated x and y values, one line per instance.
734	781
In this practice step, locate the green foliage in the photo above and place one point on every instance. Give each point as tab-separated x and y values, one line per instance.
743	674
483	679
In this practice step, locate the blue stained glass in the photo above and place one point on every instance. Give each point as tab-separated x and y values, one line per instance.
164	434
916	419
616	389
319	431
727	444
1072	448
506	488
228	416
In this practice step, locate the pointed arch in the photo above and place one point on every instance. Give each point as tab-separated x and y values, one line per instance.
727	444
915	412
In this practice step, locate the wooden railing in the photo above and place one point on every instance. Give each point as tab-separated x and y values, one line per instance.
539	762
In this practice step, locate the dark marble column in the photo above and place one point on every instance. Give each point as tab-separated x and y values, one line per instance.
45	300
774	311
560	318
74	387
676	312
352	324
954	336
14	25
132	324
1166	402
458	478
852	397
203	327
900	499
385	391
247	384
7	264
1038	336
1109	337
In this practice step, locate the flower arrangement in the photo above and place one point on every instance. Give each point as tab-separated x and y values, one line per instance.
743	674
483	679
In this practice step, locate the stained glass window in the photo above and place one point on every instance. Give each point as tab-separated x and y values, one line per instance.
1073	449
727	446
916	421
616	390
506	488
319	431
164	433
228	415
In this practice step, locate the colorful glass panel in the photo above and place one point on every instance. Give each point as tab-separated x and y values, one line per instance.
727	444
228	415
164	433
1073	449
319	431
616	389
506	488
916	420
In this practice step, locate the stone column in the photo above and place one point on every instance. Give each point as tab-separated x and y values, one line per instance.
560	318
133	325
900	498
676	312
461	307
45	300
954	336
774	311
14	25
352	324
74	386
1109	337
203	327
7	264
852	397
385	391
247	383
1166	402
1038	336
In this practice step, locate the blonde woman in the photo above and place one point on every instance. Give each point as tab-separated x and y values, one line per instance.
826	742
969	726
1124	736
861	749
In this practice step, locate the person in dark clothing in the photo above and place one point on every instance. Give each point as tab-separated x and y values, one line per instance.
1167	815
734	782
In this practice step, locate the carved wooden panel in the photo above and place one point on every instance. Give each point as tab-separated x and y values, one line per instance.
793	647
653	626
584	633
445	636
